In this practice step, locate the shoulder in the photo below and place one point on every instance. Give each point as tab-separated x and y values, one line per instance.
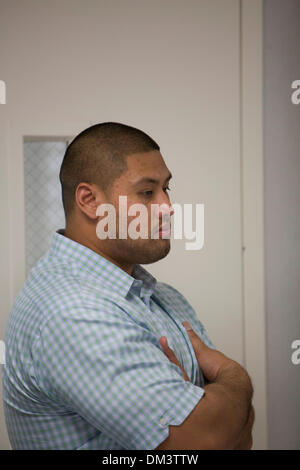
55	292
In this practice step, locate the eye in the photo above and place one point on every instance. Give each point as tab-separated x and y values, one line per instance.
150	193
147	193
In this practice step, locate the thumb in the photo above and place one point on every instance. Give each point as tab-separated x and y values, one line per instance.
209	360
197	343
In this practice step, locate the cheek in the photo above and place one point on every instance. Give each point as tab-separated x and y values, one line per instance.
123	204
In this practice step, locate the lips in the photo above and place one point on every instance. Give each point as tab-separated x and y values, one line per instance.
165	230
162	230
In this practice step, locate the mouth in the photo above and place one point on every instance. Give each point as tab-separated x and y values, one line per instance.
164	231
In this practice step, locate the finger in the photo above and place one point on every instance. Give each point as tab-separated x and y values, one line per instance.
171	356
197	343
168	351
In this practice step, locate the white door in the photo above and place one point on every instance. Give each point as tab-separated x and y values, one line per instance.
172	69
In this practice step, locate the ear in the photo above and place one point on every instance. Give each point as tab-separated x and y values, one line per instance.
88	197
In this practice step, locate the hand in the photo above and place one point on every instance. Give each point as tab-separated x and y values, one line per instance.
210	361
220	369
246	441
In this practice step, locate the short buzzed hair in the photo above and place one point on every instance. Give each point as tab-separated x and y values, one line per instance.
97	155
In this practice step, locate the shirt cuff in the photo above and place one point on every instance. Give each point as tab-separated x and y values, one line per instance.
181	407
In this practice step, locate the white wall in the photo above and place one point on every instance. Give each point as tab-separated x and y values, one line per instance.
282	218
171	68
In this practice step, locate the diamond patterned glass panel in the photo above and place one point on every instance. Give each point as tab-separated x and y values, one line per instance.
43	204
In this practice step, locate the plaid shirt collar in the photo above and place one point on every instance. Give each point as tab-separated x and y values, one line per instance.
141	283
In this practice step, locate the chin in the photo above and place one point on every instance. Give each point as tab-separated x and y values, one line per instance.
160	251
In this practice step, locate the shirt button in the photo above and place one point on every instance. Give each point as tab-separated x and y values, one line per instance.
163	421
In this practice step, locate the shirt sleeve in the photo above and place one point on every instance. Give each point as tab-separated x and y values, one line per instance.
112	372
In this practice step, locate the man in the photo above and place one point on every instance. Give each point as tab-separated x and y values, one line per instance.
99	355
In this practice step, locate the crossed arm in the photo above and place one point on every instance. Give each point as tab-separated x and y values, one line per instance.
224	417
91	364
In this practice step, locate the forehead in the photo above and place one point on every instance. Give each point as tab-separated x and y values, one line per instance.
149	164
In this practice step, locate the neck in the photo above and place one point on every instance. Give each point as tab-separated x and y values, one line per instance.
90	243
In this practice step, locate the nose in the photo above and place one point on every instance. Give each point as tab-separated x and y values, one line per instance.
161	212
165	207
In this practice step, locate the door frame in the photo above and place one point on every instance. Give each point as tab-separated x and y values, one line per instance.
252	201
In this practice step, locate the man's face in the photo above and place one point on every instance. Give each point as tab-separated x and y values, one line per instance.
144	182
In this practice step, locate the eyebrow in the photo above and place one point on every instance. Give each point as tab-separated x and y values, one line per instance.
151	180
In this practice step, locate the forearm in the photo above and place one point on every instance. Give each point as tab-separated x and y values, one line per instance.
221	419
230	398
245	441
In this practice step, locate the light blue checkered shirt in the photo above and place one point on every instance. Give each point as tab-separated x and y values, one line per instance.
84	367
